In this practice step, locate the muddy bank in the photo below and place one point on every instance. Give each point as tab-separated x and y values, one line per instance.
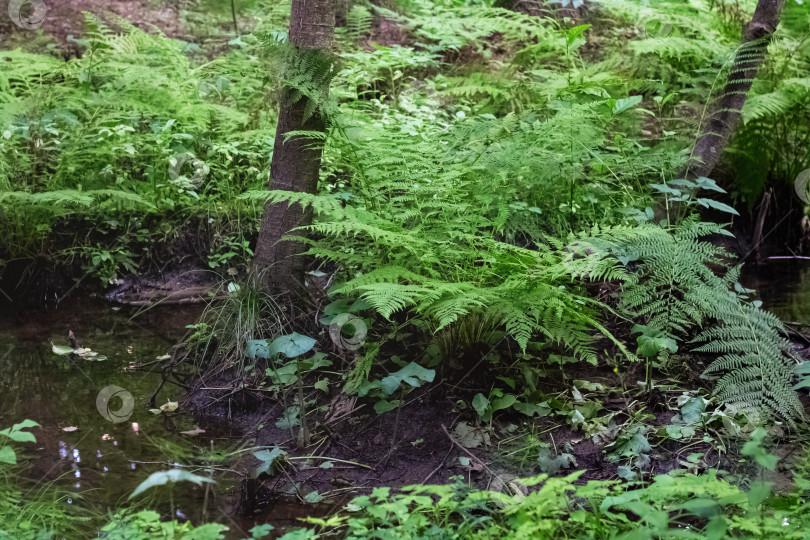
434	438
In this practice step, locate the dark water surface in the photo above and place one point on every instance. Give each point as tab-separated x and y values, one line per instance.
783	285
80	450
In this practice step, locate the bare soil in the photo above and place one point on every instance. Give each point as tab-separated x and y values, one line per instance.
65	18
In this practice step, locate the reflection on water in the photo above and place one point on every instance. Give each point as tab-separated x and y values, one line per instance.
783	286
100	460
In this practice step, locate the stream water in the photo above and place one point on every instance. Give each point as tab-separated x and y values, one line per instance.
102	459
82	447
783	286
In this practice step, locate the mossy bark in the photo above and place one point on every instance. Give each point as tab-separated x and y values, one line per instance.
296	160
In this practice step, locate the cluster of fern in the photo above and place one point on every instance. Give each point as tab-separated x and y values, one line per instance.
675	291
454	165
449	218
126	144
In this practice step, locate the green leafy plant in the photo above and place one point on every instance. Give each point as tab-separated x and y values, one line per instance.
411	376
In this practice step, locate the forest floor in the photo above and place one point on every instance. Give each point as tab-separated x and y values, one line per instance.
599	418
65	20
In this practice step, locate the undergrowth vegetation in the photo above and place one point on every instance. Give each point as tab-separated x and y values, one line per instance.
501	202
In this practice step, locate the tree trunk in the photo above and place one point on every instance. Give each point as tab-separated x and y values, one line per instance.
297	161
747	61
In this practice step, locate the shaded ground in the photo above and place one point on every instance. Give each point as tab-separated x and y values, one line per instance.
417	444
65	18
185	284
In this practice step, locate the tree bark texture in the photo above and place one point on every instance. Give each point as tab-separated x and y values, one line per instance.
718	129
297	161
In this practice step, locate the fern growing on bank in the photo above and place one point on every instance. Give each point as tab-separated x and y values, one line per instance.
676	292
756	363
674	289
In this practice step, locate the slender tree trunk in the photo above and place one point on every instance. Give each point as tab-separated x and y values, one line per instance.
750	56
297	161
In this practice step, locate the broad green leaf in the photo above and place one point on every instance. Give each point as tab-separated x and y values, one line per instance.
623	104
284	375
384	406
551	464
663	188
260	531
480	404
268	459
291	345
635	445
258	348
16	434
575	33
8	455
503	402
755	448
411	374
290	418
692	410
173	476
707	183
532	409
717	205
651	343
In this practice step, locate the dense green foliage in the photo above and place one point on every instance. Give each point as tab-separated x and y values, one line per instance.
492	182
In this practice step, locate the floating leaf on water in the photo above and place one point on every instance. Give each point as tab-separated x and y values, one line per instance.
169	406
61	349
87	354
84	353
